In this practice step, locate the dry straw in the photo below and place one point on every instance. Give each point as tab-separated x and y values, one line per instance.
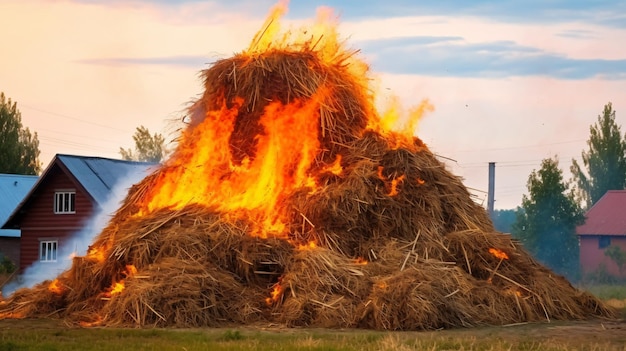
405	255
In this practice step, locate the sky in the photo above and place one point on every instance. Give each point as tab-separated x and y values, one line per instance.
511	82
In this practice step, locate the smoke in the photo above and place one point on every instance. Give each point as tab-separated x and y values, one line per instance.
79	242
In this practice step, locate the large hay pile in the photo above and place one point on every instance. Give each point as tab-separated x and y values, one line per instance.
380	235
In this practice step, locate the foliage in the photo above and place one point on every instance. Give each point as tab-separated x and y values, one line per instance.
547	224
148	147
608	291
605	161
19	149
6	265
503	220
617	255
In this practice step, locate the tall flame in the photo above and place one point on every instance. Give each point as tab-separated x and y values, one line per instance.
204	169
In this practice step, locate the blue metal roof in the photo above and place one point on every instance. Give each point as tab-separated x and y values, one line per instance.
99	175
13	189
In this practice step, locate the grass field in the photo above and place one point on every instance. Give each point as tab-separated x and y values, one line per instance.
52	335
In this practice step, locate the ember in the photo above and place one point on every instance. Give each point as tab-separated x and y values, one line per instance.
290	199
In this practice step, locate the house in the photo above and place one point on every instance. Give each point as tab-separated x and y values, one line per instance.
70	191
13	189
605	226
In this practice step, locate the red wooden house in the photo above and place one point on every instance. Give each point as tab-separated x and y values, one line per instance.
70	190
13	189
605	226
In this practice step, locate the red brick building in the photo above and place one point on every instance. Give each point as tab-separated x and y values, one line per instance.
68	193
605	226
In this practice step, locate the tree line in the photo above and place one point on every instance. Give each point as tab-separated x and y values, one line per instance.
546	221
19	148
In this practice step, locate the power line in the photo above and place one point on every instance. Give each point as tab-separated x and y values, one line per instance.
73	118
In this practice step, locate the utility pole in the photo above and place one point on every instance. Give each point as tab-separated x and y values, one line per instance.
490	193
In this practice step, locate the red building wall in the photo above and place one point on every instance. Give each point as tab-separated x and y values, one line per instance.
41	223
592	257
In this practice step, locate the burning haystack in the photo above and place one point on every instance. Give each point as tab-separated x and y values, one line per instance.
289	201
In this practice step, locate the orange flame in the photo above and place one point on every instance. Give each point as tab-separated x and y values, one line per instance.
55	287
335	168
95	254
118	287
393	191
211	177
394	185
115	289
360	260
498	254
96	322
275	294
400	125
309	246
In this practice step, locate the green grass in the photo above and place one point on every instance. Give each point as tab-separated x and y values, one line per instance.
54	336
607	291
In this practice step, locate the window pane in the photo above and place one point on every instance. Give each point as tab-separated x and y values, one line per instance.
42	251
72	201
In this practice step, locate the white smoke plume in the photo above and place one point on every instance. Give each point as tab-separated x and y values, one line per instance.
79	242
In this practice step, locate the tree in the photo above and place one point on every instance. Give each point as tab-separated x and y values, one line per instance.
548	219
19	149
148	148
604	162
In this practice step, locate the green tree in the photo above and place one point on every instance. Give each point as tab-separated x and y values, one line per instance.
19	149
148	148
605	161
547	222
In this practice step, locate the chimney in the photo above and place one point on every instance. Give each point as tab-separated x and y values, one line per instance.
490	193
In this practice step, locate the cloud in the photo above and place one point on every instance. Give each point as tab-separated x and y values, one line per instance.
452	56
602	12
186	61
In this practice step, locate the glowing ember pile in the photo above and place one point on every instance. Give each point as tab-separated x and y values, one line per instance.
290	200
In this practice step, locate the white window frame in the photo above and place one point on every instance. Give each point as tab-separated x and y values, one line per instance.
64	202
48	250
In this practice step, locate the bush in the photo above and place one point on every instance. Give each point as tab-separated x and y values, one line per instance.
6	265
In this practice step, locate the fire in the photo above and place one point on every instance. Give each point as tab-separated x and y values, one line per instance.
498	254
360	260
420	181
393	191
55	287
309	246
277	291
118	287
335	168
394	185
96	322
205	172
95	254
399	124
208	169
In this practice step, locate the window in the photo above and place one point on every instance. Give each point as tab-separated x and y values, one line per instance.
604	241
64	202
48	250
